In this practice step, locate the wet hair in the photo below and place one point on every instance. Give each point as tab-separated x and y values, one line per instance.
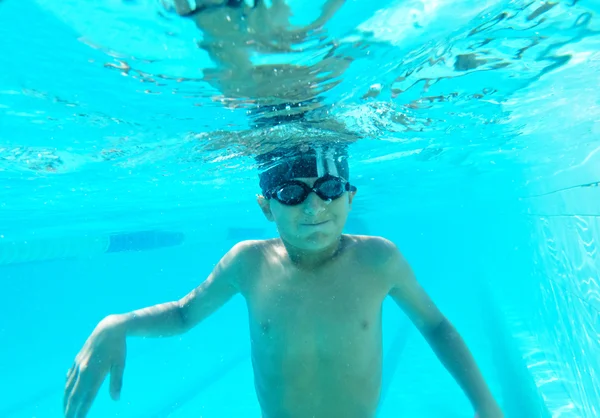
305	160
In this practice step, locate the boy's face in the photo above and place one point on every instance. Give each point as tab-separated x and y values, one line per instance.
313	224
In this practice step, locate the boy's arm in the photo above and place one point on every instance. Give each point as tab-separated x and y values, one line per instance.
104	351
179	316
441	335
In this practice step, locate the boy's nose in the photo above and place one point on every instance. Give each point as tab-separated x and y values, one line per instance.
314	204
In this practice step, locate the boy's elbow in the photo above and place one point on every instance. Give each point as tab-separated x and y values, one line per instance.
440	329
182	316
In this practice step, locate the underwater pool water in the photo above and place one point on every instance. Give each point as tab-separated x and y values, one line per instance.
127	171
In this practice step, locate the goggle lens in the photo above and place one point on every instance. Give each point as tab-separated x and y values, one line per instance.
296	192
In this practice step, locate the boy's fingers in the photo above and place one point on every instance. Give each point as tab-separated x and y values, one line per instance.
71	402
116	379
84	407
71	380
71	370
71	377
86	401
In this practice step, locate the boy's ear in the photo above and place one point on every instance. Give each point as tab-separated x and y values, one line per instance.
265	206
351	195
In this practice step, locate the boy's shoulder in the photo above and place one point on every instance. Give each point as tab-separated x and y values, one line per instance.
368	239
256	244
376	256
355	241
376	252
368	244
252	250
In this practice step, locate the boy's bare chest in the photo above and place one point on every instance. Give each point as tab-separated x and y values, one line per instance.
328	309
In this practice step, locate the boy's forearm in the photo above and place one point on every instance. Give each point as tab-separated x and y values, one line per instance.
456	357
162	320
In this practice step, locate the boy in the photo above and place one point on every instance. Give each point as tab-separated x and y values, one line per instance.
314	300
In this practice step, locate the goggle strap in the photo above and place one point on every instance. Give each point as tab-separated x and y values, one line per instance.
331	166
325	162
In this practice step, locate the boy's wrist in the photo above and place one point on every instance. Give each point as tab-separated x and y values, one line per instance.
119	323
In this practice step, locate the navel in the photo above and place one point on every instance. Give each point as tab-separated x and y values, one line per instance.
265	326
364	324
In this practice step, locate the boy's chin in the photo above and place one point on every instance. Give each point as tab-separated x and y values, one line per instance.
315	244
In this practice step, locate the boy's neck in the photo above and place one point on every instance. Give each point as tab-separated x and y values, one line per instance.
308	260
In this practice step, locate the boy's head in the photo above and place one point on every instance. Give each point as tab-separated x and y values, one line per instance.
305	191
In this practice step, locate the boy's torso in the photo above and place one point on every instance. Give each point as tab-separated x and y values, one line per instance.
316	335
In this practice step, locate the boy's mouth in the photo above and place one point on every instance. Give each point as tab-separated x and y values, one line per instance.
314	223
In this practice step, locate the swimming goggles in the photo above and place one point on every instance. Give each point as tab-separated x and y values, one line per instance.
294	192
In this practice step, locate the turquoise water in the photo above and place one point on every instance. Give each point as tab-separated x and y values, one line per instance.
126	172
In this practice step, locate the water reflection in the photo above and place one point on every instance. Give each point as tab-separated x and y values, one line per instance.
242	38
439	88
281	73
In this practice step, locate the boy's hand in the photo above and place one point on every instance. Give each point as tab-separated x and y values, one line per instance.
103	352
